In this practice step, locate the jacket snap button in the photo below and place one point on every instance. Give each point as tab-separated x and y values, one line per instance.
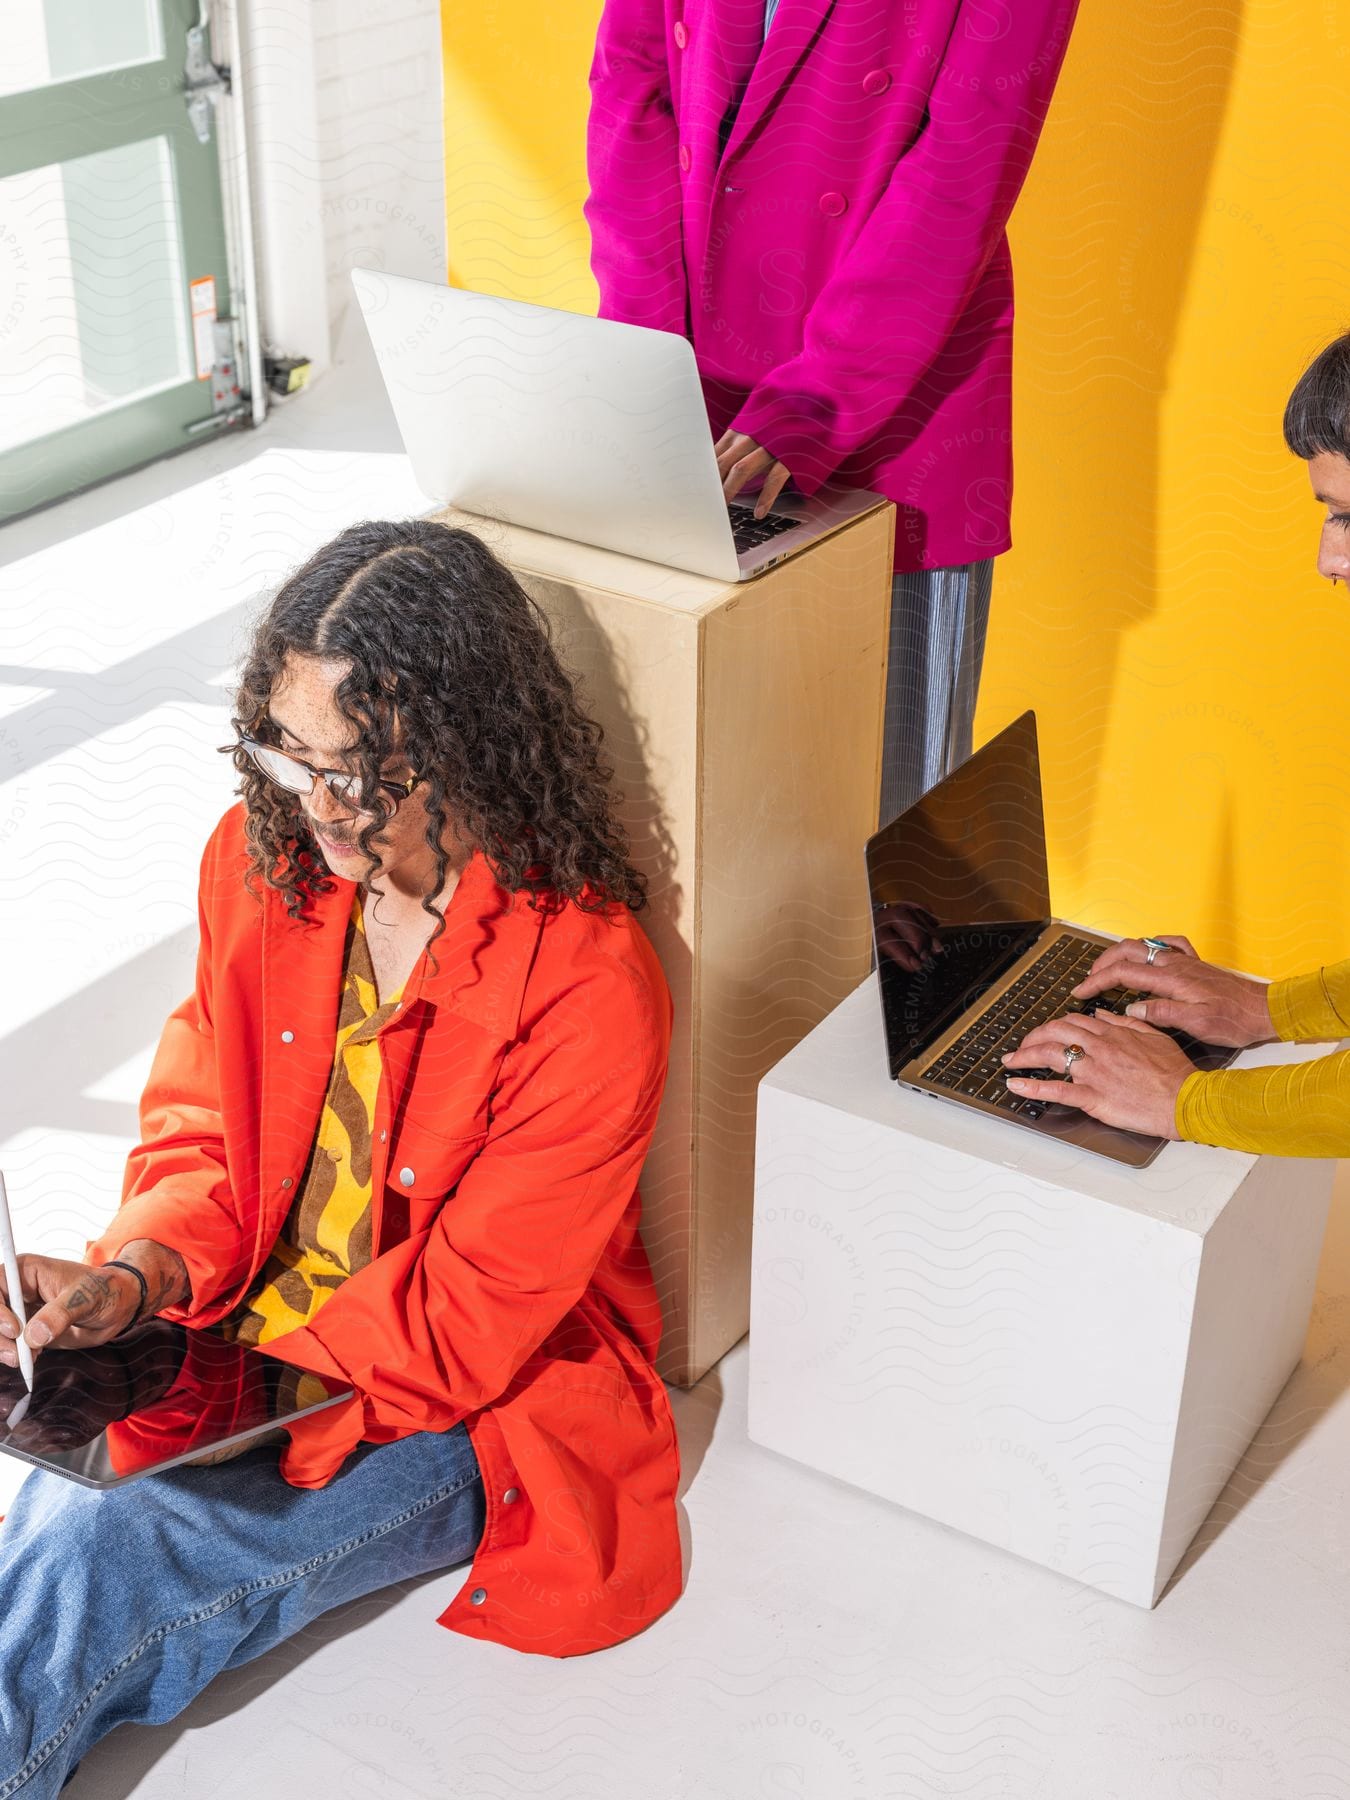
286	1181
407	1177
681	33
832	205
478	1596
685	158
510	1495
288	1037
876	81
383	1136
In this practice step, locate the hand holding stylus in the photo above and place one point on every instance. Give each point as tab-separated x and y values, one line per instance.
13	1290
85	1304
77	1306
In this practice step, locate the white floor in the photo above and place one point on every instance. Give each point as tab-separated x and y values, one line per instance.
828	1644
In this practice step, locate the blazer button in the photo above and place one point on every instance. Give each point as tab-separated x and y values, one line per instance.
286	1181
876	81
478	1596
288	1037
832	205
510	1495
407	1177
685	158
681	33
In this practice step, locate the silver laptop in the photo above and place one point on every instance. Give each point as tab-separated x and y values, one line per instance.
580	427
969	958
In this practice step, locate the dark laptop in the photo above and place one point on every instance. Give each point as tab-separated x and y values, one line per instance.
969	958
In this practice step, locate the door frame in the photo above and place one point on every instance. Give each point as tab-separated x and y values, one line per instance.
42	471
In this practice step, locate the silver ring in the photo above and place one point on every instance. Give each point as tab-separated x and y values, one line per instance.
1071	1055
1154	946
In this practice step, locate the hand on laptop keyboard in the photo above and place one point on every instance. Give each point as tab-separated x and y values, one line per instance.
1119	1072
1180	990
740	460
973	1064
1042	996
1116	1000
748	531
1112	1000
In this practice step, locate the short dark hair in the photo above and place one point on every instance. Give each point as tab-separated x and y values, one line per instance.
1317	417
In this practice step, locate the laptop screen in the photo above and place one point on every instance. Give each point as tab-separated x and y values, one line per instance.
960	887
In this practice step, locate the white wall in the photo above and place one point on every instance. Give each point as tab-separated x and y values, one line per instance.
272	48
346	146
381	143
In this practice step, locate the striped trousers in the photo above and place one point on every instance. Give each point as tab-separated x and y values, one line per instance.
938	622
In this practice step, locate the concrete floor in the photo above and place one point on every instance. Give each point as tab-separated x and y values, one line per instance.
828	1644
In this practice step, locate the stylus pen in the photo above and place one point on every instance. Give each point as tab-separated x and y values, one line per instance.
12	1283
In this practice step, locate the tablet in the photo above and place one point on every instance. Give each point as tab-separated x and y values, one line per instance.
160	1396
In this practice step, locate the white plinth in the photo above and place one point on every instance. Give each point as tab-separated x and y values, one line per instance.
1054	1353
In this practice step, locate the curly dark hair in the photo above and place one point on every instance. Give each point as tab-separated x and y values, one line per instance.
447	648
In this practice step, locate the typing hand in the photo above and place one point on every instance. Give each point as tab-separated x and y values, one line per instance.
740	459
1184	993
1129	1075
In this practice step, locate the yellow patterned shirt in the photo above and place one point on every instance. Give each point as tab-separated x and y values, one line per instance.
326	1236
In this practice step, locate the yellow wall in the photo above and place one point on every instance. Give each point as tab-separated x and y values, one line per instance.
515	133
1181	250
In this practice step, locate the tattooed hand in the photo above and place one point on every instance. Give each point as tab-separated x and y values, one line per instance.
72	1305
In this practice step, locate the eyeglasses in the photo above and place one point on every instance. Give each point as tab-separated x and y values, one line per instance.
298	777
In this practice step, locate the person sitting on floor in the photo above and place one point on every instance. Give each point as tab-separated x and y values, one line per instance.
394	1137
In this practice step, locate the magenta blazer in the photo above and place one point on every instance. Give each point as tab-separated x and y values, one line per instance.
842	270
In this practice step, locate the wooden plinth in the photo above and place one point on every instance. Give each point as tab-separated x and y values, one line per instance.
743	723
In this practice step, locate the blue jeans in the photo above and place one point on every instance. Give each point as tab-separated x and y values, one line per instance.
122	1605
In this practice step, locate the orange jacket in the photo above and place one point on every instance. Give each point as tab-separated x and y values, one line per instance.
508	1286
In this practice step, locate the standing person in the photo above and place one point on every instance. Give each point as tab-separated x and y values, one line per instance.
394	1137
815	192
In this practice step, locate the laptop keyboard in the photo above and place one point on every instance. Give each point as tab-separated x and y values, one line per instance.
972	1066
748	531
